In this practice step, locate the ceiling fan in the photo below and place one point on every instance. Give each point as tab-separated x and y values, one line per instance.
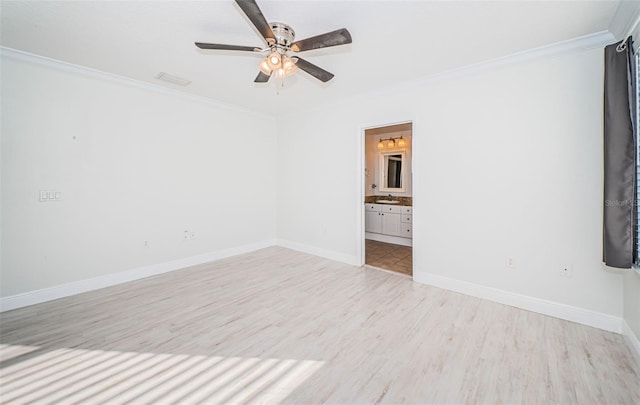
280	41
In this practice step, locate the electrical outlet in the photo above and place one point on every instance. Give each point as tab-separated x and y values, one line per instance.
566	271
50	195
146	243
511	262
186	236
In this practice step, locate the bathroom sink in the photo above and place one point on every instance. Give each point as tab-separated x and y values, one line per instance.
387	202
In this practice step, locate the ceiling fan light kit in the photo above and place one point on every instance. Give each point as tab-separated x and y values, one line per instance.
274	60
281	66
280	41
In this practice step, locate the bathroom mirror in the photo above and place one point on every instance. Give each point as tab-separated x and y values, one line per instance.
393	172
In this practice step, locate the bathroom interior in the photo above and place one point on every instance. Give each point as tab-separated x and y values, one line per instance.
388	198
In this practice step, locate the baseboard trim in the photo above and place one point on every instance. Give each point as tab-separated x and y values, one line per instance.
555	309
631	339
316	251
107	280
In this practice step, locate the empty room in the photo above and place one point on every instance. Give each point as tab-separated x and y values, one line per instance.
343	202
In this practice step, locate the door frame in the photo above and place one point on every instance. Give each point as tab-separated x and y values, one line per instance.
360	243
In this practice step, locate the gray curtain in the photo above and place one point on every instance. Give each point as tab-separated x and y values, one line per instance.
619	158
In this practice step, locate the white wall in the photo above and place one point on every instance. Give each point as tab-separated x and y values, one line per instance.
132	165
507	162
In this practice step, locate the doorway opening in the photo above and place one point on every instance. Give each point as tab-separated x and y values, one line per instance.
388	198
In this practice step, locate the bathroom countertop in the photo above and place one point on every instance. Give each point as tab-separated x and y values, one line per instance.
372	199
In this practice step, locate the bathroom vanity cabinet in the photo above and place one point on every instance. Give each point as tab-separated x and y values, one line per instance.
389	223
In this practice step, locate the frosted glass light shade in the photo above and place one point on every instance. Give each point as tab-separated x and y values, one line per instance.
288	67
274	60
280	65
264	67
380	145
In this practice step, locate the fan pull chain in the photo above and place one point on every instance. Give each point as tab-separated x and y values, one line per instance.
278	87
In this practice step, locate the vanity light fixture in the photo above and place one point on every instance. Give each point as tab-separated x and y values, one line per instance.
392	143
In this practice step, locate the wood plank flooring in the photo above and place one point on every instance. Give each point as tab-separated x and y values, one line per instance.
278	326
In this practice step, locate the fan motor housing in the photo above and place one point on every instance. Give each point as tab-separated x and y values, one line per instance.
284	34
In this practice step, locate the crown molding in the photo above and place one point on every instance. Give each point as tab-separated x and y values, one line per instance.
574	45
580	44
625	18
27	57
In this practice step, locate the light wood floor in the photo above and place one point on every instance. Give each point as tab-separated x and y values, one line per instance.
281	326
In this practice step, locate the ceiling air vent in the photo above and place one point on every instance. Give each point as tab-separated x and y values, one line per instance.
172	79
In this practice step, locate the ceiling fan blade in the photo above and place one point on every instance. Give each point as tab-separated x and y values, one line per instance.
262	78
314	70
222	47
333	38
251	9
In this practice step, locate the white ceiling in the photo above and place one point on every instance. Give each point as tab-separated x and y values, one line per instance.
393	41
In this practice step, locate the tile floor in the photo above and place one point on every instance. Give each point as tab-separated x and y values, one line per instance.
388	256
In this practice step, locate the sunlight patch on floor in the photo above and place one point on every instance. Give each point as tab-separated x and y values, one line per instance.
80	376
8	352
